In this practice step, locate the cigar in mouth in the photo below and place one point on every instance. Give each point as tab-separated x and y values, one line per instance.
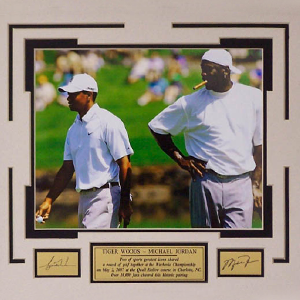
199	85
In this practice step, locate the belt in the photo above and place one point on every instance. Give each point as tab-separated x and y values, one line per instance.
105	186
224	176
215	173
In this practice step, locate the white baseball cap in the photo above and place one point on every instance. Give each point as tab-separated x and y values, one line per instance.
221	57
80	82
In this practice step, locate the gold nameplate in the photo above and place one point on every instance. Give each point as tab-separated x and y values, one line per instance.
57	263
240	262
149	263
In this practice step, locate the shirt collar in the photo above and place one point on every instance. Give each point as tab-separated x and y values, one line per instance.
220	95
88	116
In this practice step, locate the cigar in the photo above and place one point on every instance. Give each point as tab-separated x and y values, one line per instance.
199	85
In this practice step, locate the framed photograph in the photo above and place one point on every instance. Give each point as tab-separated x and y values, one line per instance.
148	81
144	64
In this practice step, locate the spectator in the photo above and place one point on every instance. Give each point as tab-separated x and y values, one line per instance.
62	67
39	61
256	75
156	62
174	90
91	63
140	67
156	88
45	93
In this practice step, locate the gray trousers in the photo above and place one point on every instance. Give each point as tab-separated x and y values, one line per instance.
99	209
221	203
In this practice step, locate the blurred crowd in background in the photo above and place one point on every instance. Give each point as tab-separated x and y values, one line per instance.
162	70
66	64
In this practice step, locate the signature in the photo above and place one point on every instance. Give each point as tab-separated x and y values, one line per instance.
241	260
57	262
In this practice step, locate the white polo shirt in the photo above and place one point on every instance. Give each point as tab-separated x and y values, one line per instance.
94	144
220	128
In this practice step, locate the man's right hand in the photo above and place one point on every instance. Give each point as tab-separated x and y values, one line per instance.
189	164
192	166
45	209
125	209
62	178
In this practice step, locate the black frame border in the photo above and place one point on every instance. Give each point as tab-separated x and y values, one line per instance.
286	258
12	260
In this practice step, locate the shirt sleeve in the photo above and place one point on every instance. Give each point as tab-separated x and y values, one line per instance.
117	140
258	132
67	150
172	120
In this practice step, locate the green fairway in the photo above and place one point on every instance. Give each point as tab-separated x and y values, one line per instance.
145	223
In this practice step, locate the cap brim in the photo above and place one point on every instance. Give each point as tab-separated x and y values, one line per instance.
68	89
235	70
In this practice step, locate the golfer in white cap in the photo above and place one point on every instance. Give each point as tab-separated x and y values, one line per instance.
97	148
222	126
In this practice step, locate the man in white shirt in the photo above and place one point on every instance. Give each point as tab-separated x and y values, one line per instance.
97	148
222	126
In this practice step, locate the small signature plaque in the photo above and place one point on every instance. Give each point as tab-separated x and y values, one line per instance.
57	263
149	263
240	262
